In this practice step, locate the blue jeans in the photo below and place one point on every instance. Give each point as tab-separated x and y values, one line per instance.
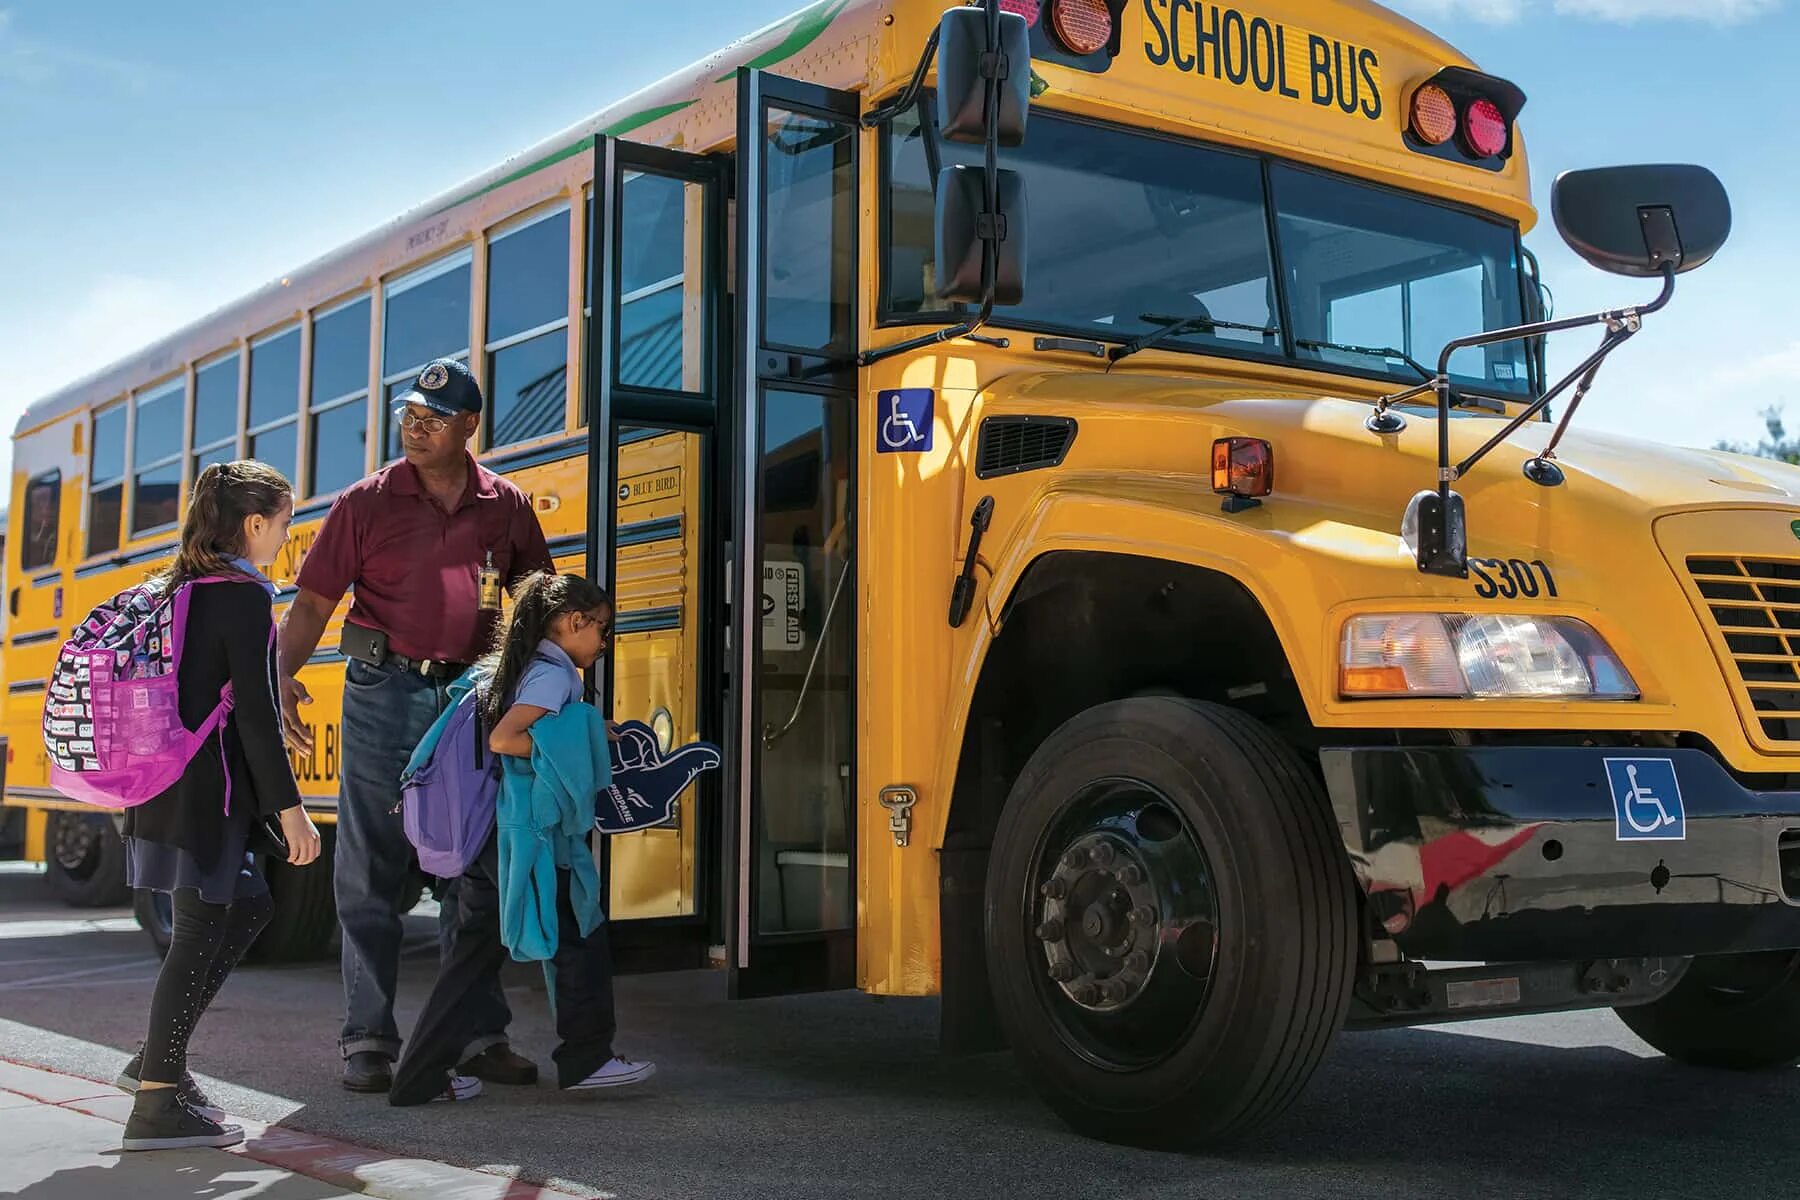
386	712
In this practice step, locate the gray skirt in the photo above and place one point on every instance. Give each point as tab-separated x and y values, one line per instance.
162	868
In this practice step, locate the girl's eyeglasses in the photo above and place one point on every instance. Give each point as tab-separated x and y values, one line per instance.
405	418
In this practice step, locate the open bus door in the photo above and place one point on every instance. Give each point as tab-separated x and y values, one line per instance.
656	390
791	831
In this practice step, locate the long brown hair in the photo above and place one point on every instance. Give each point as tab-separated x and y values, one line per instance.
225	495
537	601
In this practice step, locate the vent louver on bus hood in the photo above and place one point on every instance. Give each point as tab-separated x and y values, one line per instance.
1008	445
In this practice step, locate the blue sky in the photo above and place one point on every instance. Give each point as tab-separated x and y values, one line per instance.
159	160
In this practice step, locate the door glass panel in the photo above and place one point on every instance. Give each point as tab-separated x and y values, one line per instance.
808	222
657	644
662	280
805	684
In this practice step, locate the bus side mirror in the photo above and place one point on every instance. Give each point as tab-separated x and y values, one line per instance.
962	77
1641	220
964	227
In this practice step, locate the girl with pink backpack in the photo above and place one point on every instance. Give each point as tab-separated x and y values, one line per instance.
235	798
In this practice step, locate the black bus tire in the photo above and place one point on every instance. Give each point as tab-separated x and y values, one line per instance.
305	913
1225	1026
1737	1012
84	860
154	917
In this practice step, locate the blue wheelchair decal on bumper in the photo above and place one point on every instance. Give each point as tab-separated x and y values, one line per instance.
1646	798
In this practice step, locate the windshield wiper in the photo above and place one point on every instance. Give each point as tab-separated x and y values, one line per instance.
1371	351
1176	326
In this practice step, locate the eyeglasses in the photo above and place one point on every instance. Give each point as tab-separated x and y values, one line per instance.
405	418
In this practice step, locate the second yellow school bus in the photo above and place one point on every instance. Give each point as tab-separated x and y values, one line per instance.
1132	582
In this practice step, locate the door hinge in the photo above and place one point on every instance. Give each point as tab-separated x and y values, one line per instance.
899	802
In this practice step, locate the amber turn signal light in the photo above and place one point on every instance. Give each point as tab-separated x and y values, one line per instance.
1243	469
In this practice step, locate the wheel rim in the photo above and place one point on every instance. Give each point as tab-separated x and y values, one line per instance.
1122	924
75	846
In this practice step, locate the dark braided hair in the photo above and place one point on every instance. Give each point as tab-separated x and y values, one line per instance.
212	535
538	600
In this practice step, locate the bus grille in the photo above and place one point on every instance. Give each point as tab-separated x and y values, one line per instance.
1755	603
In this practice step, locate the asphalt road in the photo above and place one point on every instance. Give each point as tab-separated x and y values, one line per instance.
845	1095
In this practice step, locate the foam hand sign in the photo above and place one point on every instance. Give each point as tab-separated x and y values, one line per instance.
645	784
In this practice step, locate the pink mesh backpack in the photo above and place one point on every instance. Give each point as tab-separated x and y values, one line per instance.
112	718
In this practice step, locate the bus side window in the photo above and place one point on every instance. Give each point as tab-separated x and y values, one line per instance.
38	537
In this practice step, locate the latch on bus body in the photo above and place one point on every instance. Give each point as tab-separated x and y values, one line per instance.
899	802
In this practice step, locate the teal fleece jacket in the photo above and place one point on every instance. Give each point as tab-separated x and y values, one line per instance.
546	816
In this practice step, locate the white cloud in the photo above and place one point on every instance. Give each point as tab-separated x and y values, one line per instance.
1627	12
1487	12
1619	12
33	62
45	347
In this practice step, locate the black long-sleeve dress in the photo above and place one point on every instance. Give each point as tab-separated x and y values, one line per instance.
184	838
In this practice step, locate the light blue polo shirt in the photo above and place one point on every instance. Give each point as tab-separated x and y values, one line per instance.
551	680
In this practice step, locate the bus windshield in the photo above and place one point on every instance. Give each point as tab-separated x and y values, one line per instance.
1127	230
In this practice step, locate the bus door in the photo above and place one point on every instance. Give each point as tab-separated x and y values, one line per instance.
792	828
654	378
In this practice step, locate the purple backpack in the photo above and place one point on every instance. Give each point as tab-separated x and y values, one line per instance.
450	790
112	713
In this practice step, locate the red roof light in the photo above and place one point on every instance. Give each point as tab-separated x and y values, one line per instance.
1484	128
1084	26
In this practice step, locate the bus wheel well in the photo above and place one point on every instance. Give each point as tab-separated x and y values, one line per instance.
1081	629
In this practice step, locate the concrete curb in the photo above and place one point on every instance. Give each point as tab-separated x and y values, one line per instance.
340	1164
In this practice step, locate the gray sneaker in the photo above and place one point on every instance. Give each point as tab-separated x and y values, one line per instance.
127	1081
162	1120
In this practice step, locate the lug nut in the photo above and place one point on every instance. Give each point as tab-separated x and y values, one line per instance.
1143	915
1131	875
1050	931
1104	854
1115	991
1075	858
1062	972
1087	994
1137	962
1054	889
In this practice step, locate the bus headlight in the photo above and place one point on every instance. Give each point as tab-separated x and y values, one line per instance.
1456	656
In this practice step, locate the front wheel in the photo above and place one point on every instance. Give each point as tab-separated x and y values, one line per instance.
1736	1011
305	910
1170	923
85	860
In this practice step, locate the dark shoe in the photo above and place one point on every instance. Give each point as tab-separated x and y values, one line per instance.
367	1071
499	1064
189	1091
161	1120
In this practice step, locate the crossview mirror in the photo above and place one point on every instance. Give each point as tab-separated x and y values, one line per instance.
962	233
1640	220
962	65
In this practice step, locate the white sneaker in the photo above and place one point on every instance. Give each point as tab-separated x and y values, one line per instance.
459	1087
615	1072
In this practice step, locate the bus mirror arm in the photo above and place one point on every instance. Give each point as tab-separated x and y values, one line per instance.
1434	524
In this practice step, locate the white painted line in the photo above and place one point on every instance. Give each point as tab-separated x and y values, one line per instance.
41	929
59	977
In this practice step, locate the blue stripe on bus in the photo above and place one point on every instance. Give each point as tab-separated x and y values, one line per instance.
637	533
160	550
46	578
28	685
649	620
35	636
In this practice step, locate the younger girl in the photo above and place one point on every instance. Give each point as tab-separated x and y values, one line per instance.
560	625
184	842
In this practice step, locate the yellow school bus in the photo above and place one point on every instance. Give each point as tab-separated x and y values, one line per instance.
1090	464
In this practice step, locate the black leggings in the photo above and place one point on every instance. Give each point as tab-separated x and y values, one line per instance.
208	941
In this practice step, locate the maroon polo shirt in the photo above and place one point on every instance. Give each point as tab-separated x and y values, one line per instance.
416	568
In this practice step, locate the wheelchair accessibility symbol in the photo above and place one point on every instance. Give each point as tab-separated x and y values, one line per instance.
904	418
1646	800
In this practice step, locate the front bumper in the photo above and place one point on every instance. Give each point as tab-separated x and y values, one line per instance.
1529	854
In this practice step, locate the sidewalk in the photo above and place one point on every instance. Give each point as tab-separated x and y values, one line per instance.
59	1140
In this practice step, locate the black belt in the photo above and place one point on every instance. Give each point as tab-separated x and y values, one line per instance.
430	668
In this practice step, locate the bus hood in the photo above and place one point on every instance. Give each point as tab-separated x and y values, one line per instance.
1325	456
